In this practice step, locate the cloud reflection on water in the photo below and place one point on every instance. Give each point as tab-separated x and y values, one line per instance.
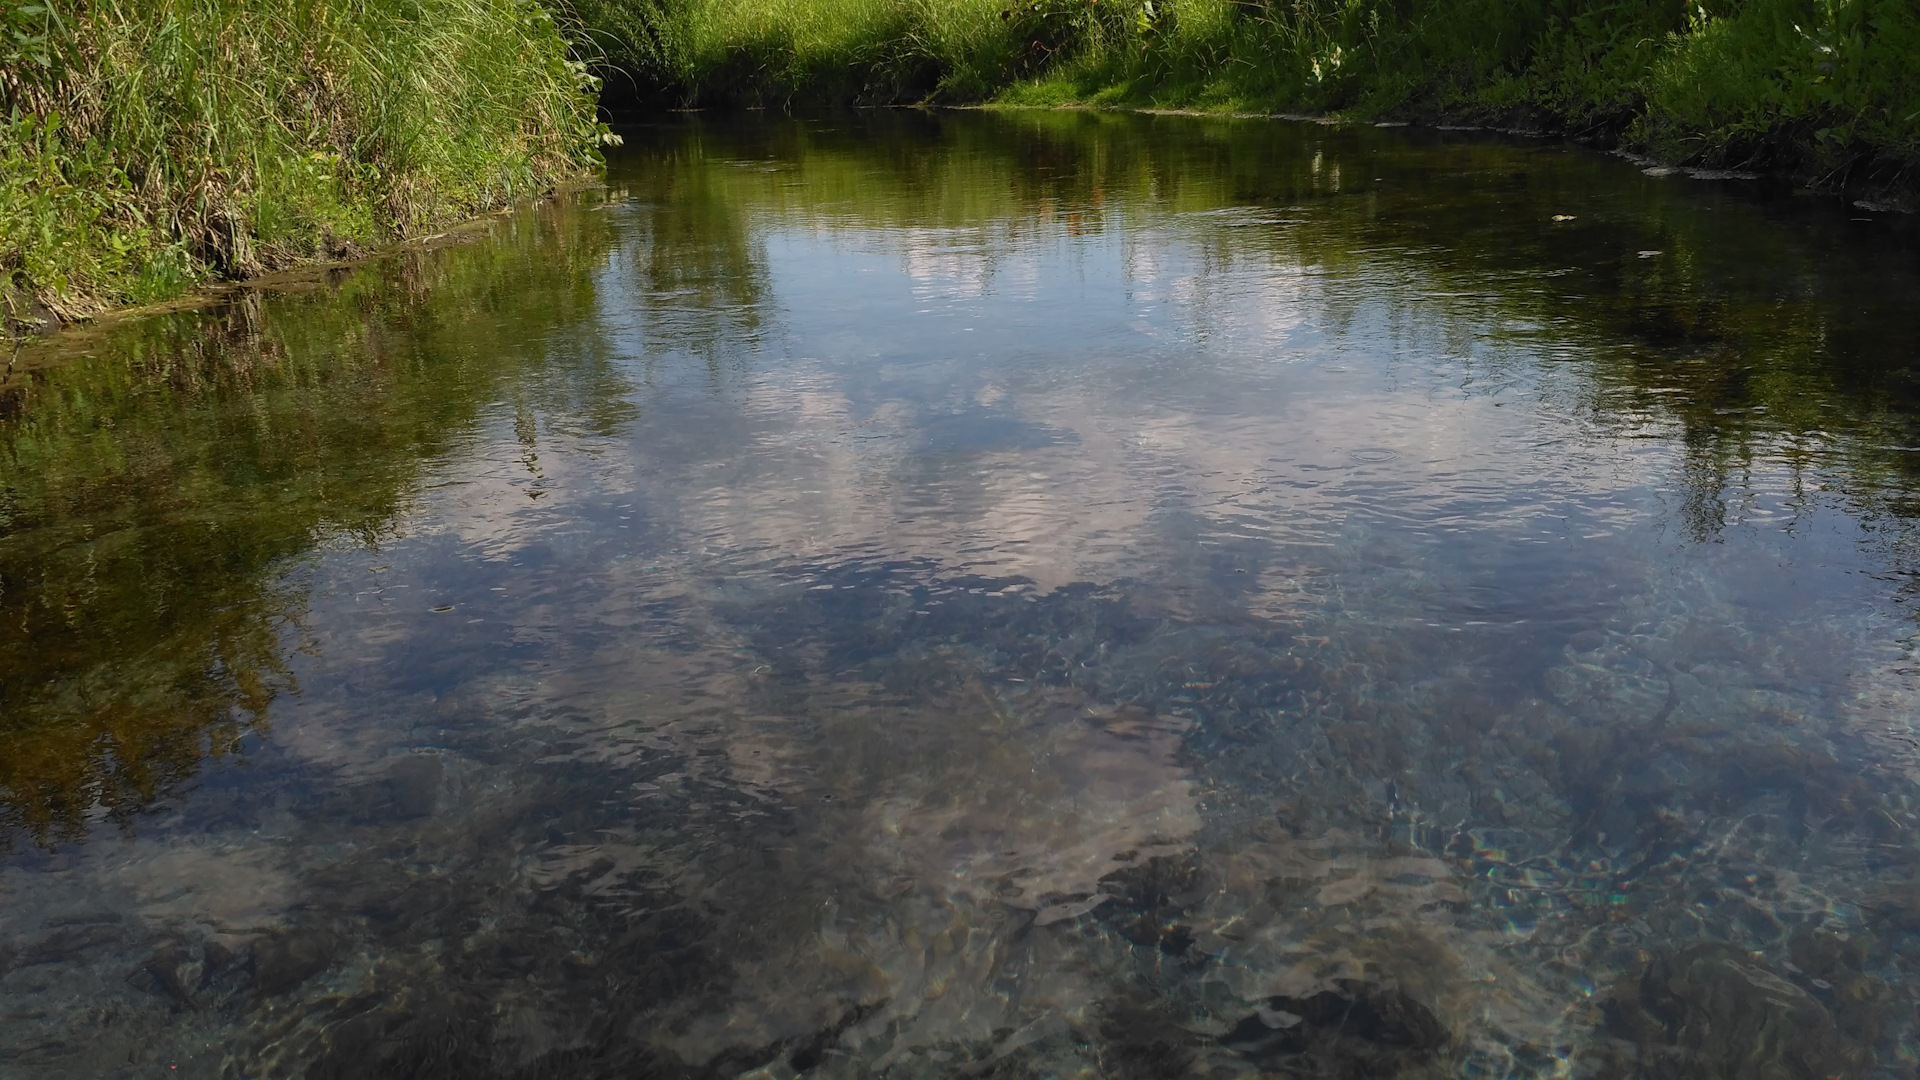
1118	619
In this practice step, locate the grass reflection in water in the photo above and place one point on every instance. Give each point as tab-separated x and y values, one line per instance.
157	485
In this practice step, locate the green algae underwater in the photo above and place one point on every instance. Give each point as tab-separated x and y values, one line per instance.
1031	594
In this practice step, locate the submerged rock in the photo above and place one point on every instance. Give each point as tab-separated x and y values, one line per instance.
66	943
1709	1010
171	973
1143	1042
1351	1029
284	961
1149	900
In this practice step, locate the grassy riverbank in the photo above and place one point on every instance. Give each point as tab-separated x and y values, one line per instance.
1825	89
146	145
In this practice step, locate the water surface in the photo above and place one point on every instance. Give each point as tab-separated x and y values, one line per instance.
1035	595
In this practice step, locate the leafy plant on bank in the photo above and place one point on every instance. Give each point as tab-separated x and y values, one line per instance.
148	144
1820	86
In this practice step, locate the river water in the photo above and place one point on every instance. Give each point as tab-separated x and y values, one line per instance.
960	594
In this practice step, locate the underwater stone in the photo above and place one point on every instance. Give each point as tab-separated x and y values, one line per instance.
1354	1028
68	942
413	786
1709	1010
284	961
1835	965
1144	1042
167	972
1147	899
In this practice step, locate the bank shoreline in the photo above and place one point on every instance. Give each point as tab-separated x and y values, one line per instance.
44	325
1824	96
51	337
1899	199
1902	200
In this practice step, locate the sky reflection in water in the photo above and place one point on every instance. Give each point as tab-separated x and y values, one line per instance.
1010	595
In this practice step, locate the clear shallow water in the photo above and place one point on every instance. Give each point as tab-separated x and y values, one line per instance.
1043	595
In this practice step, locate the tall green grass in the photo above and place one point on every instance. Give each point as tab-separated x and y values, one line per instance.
1822	87
1823	83
705	52
147	144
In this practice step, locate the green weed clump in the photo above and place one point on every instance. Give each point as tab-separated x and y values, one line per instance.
1819	86
838	51
1810	84
148	144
